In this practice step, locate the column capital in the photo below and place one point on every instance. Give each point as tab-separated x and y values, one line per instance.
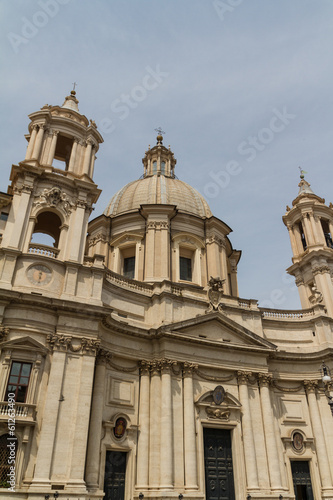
166	365
243	376
103	356
264	379
69	343
299	281
155	367
310	385
189	368
144	367
320	269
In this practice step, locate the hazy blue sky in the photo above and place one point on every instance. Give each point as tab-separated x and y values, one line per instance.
243	90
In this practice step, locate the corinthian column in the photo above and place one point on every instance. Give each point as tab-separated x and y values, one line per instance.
87	157
322	457
143	441
95	428
268	420
249	447
31	142
38	143
53	146
155	428
190	452
166	427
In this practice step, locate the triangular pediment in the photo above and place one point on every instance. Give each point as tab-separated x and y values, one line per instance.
25	344
216	327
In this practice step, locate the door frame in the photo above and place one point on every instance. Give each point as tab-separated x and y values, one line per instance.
128	470
238	463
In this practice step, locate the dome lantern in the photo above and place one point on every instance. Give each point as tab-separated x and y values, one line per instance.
159	160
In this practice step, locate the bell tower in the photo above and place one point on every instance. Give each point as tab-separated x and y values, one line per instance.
52	189
310	226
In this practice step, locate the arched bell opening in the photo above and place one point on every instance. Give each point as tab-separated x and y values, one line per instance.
46	235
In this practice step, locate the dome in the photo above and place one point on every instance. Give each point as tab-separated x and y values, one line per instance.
158	190
158	186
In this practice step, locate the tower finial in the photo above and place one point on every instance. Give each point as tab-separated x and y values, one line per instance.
73	91
160	135
302	172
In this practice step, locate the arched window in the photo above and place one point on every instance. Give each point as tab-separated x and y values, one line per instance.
301	230
327	233
47	229
8	448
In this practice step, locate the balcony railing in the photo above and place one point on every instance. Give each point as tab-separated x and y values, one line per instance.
46	251
23	411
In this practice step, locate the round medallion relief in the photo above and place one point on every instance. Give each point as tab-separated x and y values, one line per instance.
120	427
298	441
218	395
39	274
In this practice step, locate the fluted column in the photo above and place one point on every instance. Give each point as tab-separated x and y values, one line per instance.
155	428
143	440
322	457
166	449
50	419
31	143
92	165
271	444
38	143
292	240
87	157
50	156
95	428
71	166
308	230
298	238
190	453
249	447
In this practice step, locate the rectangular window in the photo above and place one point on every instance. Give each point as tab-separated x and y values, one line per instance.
129	267
185	269
19	380
3	216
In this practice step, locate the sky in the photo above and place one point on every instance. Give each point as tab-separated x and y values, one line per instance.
241	88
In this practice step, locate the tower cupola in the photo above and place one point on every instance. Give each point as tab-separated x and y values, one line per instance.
310	226
61	137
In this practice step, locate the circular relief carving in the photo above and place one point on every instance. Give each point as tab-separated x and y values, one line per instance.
298	441
39	274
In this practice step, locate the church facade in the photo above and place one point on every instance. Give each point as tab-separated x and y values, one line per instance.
130	366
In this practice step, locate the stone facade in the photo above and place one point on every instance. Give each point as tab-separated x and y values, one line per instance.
129	358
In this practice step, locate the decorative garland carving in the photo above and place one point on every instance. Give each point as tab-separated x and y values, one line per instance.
227	378
105	356
68	343
287	389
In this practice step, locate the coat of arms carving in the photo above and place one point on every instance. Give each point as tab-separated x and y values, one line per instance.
215	292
